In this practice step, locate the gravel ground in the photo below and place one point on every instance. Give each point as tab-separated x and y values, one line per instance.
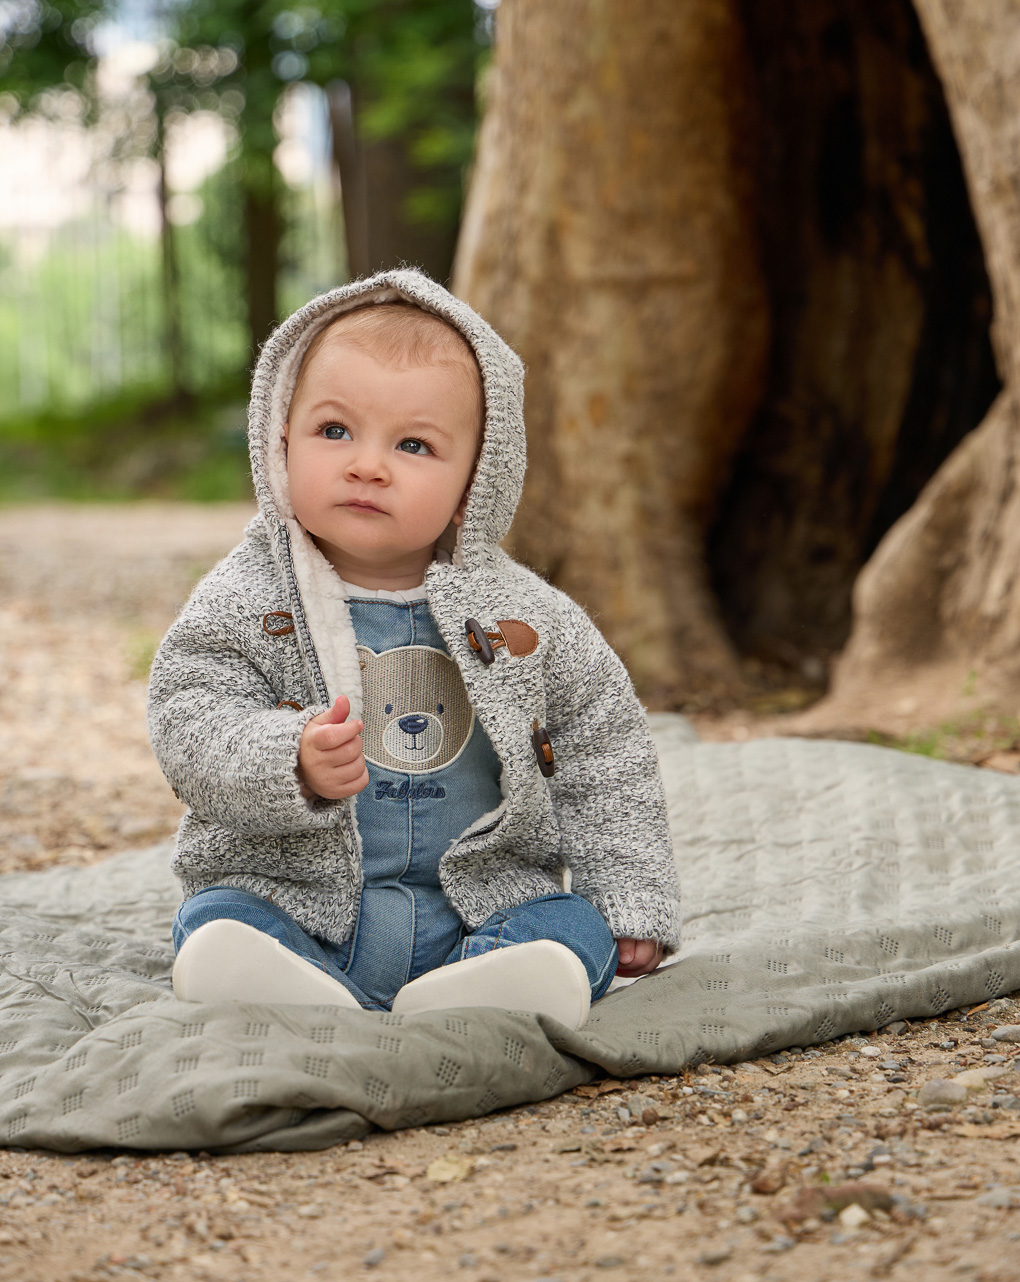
827	1162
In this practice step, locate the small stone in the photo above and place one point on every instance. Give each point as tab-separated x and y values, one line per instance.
853	1216
1007	1033
746	1214
939	1091
467	1260
995	1059
976	1079
738	1117
609	1262
769	1181
897	1027
872	1052
999	1199
374	1258
715	1255
639	1105
779	1243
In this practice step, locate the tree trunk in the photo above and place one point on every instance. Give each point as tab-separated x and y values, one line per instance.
610	236
172	328
262	259
937	609
881	361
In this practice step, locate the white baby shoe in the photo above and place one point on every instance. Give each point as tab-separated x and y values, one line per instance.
227	961
540	976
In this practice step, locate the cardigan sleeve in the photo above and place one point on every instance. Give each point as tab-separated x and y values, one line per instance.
607	789
226	748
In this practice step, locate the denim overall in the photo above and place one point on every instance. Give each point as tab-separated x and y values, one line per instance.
407	819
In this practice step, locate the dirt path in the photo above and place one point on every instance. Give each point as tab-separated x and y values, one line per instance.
724	1173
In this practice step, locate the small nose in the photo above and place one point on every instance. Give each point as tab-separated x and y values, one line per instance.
367	463
413	725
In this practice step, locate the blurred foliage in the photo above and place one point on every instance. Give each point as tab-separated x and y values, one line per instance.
134	445
49	45
412	66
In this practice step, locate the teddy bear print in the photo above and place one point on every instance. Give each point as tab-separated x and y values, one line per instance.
416	711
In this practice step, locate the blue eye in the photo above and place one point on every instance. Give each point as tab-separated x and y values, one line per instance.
439	707
389	708
334	432
413	446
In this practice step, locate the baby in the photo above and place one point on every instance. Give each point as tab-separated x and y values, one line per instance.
394	740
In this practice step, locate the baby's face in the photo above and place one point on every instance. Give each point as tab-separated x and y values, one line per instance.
379	460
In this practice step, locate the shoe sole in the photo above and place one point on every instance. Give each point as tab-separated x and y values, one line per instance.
227	961
542	976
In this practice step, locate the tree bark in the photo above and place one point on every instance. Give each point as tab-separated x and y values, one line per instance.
880	302
937	610
610	236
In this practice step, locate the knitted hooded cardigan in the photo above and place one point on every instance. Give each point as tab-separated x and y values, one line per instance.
266	642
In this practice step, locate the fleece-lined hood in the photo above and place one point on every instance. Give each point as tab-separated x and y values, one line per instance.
499	476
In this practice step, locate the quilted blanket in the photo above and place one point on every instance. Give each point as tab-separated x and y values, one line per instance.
829	887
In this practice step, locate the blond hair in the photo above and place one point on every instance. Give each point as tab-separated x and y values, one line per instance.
403	335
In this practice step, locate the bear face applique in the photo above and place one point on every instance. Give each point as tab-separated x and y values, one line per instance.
416	711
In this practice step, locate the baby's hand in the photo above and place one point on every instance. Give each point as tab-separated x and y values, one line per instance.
331	758
637	956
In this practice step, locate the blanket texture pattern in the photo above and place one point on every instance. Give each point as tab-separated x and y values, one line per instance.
829	887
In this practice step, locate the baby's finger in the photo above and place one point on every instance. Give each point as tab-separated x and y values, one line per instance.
333	735
345	755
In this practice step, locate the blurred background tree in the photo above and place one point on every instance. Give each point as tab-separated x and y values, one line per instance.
236	93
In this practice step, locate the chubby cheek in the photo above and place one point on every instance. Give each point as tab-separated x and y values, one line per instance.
307	489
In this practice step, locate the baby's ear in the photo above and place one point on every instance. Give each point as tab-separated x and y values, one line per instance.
458	516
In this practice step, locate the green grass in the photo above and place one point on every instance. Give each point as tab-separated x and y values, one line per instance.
967	738
137	445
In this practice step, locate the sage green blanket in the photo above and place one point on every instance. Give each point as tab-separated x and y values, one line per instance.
829	887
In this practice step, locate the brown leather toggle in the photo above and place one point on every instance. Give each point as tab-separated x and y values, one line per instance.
519	638
289	703
543	749
270	626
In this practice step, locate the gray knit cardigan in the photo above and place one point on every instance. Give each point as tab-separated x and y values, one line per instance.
266	643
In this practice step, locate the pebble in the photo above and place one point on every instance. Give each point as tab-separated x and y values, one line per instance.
939	1091
999	1199
715	1255
640	1106
853	1216
976	1079
1007	1033
746	1214
872	1052
609	1261
779	1243
374	1258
